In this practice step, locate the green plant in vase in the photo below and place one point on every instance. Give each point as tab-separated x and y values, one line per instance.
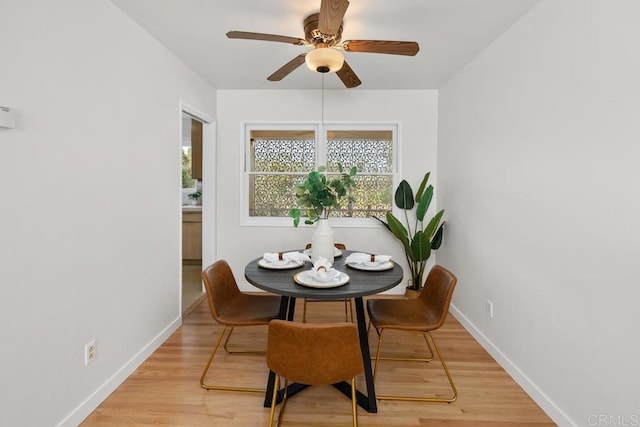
317	195
418	241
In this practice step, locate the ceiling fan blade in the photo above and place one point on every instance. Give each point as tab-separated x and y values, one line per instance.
347	76
287	68
265	37
331	14
381	46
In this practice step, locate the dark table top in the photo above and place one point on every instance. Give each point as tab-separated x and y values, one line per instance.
361	282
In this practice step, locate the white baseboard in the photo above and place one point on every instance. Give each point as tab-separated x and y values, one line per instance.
547	405
96	398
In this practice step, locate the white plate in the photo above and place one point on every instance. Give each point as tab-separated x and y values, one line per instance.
280	264
336	252
371	266
304	278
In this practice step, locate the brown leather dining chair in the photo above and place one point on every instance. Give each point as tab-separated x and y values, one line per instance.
313	354
232	308
423	314
348	307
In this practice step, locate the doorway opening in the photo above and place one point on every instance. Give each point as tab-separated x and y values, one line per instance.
197	203
192	194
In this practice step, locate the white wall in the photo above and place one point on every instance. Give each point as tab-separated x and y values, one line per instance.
539	146
416	111
89	223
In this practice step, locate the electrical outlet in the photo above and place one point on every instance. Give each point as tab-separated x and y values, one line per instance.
90	352
489	308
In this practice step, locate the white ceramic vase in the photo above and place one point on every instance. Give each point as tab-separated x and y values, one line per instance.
322	241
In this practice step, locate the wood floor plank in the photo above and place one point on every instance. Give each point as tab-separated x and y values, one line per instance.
165	390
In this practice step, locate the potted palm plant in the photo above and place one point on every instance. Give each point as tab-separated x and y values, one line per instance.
418	241
317	196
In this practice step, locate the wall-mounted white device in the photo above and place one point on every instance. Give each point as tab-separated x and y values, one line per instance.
7	120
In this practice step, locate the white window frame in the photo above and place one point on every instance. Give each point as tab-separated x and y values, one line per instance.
320	130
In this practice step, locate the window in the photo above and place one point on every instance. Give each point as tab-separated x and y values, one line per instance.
279	156
191	151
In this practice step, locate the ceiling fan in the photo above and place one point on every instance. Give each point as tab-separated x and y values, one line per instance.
323	31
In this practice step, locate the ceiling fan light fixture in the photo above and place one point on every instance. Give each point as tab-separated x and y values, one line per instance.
324	60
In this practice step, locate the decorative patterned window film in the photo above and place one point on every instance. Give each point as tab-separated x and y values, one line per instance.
277	159
372	153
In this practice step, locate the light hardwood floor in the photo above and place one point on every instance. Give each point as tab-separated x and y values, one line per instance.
191	287
165	390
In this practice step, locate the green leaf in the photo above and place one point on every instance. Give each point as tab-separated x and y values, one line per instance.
404	196
400	232
382	222
423	184
295	214
396	227
353	171
424	203
437	238
421	246
433	224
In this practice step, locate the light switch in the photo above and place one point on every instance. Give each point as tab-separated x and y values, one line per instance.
7	119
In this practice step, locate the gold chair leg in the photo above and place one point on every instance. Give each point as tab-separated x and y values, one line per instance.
239	351
375	366
415	359
273	400
350	303
206	369
453	397
284	401
348	310
354	406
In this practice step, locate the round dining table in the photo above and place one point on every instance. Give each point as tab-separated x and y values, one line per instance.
361	283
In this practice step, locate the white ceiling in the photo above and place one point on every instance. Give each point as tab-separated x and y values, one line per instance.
450	34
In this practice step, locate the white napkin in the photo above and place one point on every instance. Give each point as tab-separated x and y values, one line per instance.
286	256
323	271
362	258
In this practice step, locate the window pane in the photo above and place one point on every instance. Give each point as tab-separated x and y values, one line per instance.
187	180
370	151
373	197
272	195
282	151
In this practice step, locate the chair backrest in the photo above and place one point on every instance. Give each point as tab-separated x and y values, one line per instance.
340	246
314	353
436	294
221	287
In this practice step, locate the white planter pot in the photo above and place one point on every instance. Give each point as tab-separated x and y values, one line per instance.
322	241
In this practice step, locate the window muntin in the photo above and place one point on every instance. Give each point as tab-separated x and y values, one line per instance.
279	156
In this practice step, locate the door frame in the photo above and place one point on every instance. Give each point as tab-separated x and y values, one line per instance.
209	186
